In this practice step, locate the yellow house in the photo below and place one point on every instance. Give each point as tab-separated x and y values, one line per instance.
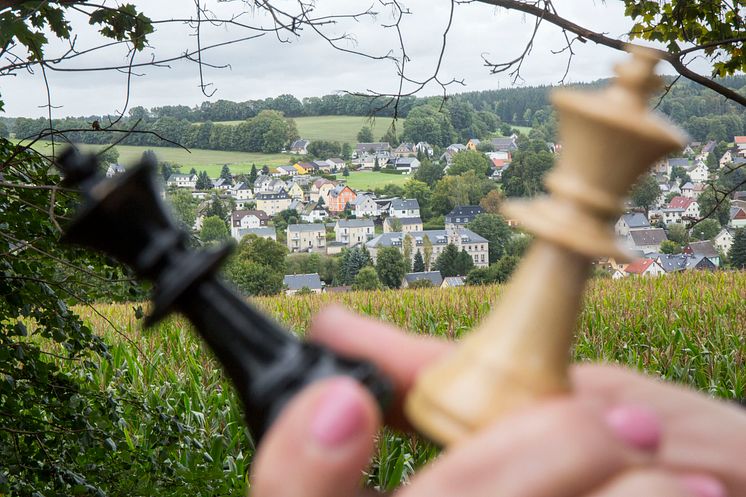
472	144
296	192
300	169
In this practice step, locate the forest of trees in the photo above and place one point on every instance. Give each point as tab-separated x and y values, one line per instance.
268	125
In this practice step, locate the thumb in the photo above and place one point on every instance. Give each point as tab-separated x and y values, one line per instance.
320	443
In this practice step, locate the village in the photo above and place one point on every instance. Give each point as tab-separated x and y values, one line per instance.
332	217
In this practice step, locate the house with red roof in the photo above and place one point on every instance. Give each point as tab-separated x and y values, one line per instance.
687	208
644	267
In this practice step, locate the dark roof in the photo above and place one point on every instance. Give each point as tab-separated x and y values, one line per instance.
299	144
705	248
297	281
237	215
433	277
282	194
437	237
504	143
636	220
405	204
652	236
679	162
355	223
298	228
465	211
405	221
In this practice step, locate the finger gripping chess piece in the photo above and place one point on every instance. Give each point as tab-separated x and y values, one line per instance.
520	353
124	217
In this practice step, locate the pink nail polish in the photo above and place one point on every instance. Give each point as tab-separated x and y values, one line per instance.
339	414
637	426
704	486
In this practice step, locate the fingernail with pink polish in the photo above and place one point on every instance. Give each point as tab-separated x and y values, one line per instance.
339	414
637	426
704	486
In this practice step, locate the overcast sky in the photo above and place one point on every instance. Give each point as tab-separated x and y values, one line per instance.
308	66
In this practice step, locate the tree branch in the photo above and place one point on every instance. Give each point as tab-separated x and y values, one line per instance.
675	59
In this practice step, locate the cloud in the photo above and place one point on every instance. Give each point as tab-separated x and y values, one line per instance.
308	66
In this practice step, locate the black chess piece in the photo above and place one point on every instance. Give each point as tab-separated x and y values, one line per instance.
124	217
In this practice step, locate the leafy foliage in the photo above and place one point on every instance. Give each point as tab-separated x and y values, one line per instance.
525	176
390	266
367	279
258	266
705	23
213	230
737	254
497	232
645	192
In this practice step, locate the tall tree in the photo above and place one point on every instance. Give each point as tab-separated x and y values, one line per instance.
225	173
418	265
203	181
645	192
737	254
213	230
446	262
429	172
365	135
252	175
469	160
183	208
497	232
427	251
390	266
464	263
366	279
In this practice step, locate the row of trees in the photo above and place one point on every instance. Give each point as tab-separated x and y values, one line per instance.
268	132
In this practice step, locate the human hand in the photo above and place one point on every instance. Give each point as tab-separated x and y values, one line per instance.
574	446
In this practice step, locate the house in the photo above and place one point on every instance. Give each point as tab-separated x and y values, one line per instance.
681	162
462	238
354	231
324	166
376	148
306	238
433	277
339	197
314	212
462	215
242	191
453	281
402	224
740	142
336	163
365	206
296	282
699	173
267	232
405	150
644	267
672	263
299	147
273	203
222	184
304	167
687	189
737	217
404	208
177	180
407	165
669	215
296	192
267	184
115	169
646	240
707	149
629	222
334	248
505	143
245	219
287	170
689	205
424	148
450	151
724	240
705	249
320	189
472	144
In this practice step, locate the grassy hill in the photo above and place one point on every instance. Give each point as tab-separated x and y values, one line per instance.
369	180
338	128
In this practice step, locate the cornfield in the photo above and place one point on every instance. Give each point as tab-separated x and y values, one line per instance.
687	328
